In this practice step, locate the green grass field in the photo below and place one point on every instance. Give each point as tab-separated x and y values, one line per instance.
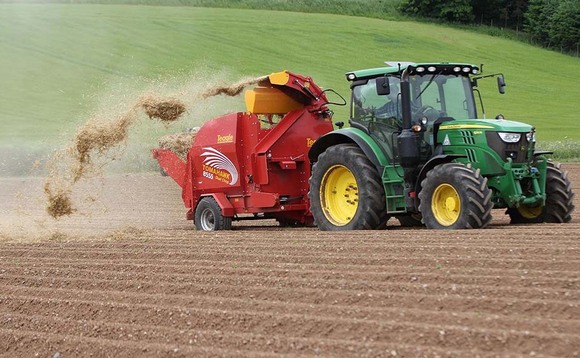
62	63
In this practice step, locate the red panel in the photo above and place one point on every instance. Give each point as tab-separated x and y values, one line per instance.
287	164
224	203
171	164
263	200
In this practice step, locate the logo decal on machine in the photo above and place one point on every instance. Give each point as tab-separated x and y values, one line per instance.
225	138
219	167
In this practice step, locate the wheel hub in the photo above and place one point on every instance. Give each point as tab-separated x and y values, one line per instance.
446	204
207	220
339	195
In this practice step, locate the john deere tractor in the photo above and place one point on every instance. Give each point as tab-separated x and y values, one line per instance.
428	159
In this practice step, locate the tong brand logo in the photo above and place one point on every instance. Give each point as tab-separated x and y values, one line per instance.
219	167
229	138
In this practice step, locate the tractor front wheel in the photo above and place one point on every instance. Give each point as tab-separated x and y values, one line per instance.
559	201
346	191
208	216
454	196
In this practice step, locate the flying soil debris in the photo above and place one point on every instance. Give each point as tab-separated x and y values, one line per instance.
98	136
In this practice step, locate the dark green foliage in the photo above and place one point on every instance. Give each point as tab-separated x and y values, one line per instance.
552	23
555	24
487	11
538	19
456	11
450	10
506	13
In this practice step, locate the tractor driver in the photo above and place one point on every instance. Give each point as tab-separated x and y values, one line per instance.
392	109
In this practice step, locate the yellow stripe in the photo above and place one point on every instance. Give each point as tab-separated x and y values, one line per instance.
465	126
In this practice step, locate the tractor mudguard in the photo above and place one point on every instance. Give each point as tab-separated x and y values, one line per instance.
350	135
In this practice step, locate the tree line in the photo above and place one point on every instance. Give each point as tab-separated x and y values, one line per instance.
553	24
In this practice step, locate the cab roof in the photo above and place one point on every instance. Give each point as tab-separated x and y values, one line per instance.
415	68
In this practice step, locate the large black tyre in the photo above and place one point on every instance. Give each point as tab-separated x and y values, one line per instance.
559	201
346	191
208	216
455	196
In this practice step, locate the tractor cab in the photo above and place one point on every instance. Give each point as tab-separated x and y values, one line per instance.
436	93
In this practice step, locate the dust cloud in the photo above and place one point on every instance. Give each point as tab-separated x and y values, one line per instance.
93	144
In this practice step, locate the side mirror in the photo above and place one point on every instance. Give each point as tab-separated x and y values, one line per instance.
383	86
501	84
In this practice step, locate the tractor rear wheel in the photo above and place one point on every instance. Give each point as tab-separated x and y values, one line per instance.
208	216
455	196
346	191
559	201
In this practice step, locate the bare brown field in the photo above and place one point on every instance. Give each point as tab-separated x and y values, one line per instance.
126	275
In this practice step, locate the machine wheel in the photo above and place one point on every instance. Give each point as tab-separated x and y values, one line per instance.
455	196
559	201
208	216
346	191
413	220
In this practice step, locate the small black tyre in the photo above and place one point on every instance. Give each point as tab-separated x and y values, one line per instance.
559	201
455	196
346	191
208	216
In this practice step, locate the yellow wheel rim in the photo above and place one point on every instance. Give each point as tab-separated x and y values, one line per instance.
446	204
339	195
529	212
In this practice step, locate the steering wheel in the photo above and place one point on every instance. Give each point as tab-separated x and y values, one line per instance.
427	111
424	109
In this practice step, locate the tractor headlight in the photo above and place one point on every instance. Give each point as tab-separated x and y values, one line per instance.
531	137
510	137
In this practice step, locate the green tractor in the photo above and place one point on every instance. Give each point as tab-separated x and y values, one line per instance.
416	150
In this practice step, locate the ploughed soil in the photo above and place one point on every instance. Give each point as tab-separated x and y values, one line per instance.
126	275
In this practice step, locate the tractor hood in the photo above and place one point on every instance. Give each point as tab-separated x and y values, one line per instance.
509	140
487	125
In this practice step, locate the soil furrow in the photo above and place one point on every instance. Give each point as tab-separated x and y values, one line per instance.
236	241
537	307
415	284
441	277
372	259
209	266
32	343
219	341
260	322
431	315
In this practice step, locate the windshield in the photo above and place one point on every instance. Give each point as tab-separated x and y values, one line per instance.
445	95
450	95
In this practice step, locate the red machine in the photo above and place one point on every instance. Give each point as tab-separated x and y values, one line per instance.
254	162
